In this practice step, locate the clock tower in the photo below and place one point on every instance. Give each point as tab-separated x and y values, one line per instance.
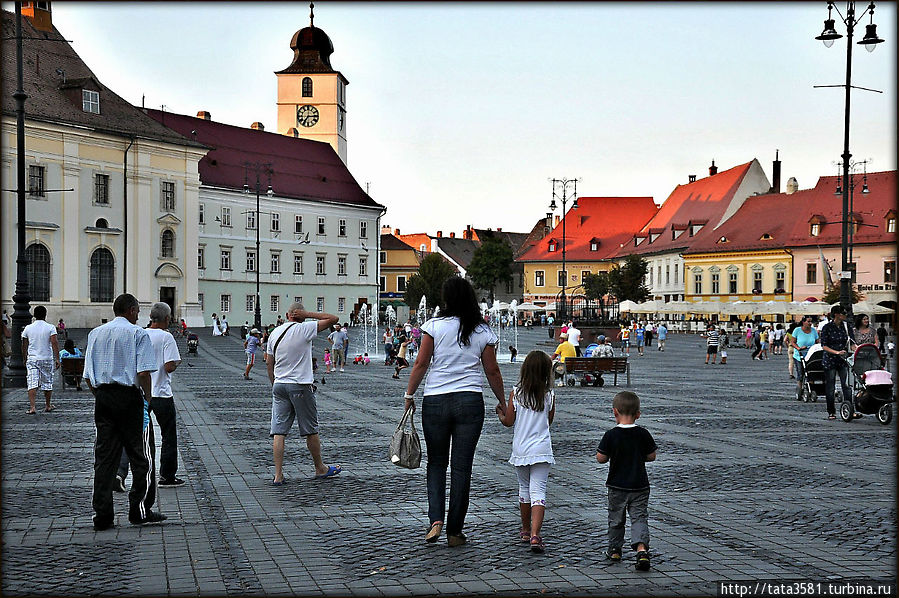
311	93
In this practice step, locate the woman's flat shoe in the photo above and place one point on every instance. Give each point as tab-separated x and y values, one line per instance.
537	545
434	532
524	535
456	540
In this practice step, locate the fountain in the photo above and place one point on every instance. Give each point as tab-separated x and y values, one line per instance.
422	314
496	325
513	315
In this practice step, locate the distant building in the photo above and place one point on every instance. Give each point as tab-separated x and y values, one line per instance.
112	194
398	263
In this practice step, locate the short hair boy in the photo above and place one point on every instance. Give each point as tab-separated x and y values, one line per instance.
627	447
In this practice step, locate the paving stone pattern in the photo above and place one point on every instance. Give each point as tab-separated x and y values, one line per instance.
749	484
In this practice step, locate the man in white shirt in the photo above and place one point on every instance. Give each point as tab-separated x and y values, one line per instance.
290	372
162	404
574	337
40	345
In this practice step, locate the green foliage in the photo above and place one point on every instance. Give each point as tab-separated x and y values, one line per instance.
627	281
416	288
492	263
833	295
432	273
596	286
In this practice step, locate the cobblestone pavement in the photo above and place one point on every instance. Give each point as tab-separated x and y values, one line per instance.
749	484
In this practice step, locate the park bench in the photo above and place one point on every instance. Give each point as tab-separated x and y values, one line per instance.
72	369
596	366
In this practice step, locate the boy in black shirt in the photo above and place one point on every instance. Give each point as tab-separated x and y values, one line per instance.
628	447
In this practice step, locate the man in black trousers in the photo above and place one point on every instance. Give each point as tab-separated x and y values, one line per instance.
117	365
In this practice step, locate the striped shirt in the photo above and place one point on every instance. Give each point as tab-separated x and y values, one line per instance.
116	352
713	338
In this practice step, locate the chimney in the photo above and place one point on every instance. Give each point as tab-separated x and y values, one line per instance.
499	230
556	220
792	185
467	233
385	229
452	235
713	170
292	132
204	115
692	178
396	232
39	15
775	182
257	126
440	234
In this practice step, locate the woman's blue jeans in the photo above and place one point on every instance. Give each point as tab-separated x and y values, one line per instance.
454	419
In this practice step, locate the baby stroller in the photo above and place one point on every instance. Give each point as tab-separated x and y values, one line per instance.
811	375
193	341
591	378
873	388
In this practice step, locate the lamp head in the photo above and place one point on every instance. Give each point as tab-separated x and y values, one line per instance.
246	188
829	35
552	204
870	40
270	191
574	205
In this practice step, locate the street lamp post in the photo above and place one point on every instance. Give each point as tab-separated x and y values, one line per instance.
258	168
829	35
563	183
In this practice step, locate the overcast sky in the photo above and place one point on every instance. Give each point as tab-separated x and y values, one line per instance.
459	113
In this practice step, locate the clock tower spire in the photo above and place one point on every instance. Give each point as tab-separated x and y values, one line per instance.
311	93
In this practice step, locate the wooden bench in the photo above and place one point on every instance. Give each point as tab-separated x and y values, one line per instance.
72	367
597	366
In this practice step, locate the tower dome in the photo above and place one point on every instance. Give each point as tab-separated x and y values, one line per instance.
312	49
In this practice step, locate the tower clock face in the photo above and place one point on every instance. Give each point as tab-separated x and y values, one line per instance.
307	115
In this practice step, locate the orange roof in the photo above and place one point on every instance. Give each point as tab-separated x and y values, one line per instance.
416	240
608	220
702	202
797	211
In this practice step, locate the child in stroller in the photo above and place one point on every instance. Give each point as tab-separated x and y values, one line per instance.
873	386
193	341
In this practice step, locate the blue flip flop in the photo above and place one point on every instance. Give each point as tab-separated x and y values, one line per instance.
333	470
281	483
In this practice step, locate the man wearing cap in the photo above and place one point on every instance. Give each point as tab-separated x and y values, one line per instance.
835	337
604	349
250	345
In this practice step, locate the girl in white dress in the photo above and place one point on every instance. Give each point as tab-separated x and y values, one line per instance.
216	330
531	408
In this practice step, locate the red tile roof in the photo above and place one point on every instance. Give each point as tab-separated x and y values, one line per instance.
792	225
704	202
303	169
613	220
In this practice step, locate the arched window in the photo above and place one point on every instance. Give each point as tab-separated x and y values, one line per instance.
102	276
167	244
307	87
102	223
38	269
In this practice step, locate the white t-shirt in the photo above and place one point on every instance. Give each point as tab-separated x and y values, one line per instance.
455	367
166	350
293	362
574	336
531	441
38	334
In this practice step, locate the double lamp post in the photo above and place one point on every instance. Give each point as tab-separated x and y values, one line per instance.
562	305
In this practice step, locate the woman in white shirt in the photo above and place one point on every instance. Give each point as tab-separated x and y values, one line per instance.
454	349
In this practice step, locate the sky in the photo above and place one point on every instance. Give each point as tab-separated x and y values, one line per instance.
461	113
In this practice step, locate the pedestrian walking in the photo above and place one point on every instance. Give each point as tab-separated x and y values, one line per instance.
513	353
455	347
574	337
662	331
723	344
531	409
250	346
338	340
801	338
61	331
756	340
835	337
625	337
788	342
864	333
711	345
627	448
749	335
650	332
40	345
293	393
882	335
118	362
640	337
401	362
764	337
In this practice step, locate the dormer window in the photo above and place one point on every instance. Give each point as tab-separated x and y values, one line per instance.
766	237
90	101
891	224
552	246
594	244
723	239
815	229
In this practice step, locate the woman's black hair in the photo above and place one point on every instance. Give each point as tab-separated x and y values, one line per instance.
858	320
459	300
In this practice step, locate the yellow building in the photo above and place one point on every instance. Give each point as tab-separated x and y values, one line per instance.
761	275
397	262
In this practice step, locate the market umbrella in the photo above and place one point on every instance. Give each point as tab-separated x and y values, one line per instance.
530	307
740	308
677	307
770	308
707	307
628	306
865	307
649	307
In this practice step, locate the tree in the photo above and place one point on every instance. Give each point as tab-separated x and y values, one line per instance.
432	273
491	264
596	288
416	288
627	281
833	295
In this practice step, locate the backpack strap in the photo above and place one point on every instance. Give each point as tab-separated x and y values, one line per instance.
283	334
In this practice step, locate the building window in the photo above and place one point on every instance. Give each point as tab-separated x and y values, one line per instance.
552	246
382	284
226	259
891	225
201	258
659	273
563	278
594	246
298	299
779	282
201	299
102	276
251	303
298	263
815	229
584	275
167	196
101	189
422	248
811	273
756	282
167	244
341	228
382	257
226	303
400	284
37	264
251	260
341	305
321	225
341	265
732	282
251	220
539	280
363	266
276	262
676	275
363	230
36	181
319	304
320	264
667	273
714	284
697	284
90	101
202	219
275	303
307	87
298	224
276	222
226	216
889	271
